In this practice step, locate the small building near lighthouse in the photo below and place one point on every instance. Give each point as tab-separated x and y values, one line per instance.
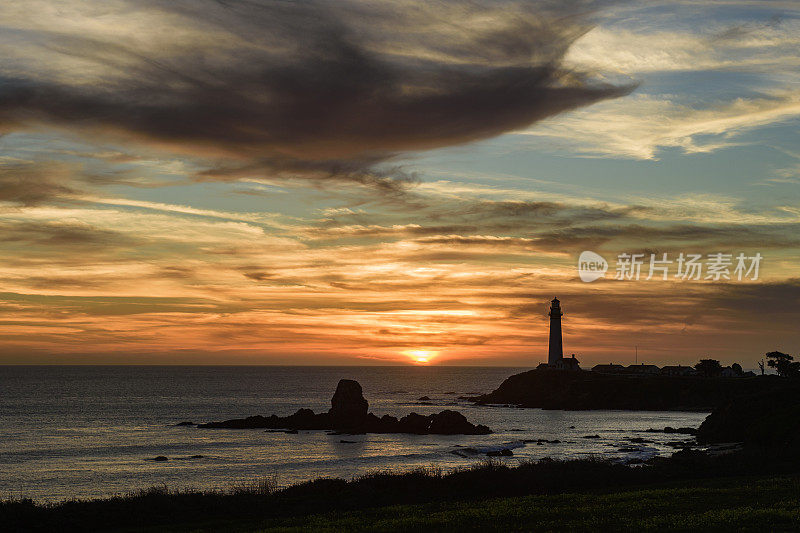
568	363
555	355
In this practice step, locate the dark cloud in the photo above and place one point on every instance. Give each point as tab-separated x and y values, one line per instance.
466	217
71	235
669	236
107	305
779	300
546	226
544	211
634	237
763	306
30	183
318	89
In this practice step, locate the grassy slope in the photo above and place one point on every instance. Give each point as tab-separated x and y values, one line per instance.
755	504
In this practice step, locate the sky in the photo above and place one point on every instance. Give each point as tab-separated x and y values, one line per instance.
372	182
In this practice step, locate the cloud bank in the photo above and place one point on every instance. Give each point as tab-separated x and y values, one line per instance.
293	88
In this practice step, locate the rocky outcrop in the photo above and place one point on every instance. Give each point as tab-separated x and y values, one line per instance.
348	406
555	389
767	419
302	419
349	413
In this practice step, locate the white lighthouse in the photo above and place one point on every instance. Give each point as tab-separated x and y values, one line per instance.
555	354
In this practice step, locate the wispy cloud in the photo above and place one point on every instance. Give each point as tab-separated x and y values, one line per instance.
643	125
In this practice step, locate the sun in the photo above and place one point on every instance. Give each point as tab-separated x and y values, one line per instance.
421	357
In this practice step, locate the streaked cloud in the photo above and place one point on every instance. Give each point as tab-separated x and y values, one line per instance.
641	126
198	181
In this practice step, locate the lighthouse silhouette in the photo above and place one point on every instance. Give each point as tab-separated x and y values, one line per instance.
556	353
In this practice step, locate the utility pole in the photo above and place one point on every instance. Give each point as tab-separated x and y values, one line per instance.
637	354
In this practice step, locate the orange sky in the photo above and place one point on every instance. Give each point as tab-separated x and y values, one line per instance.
387	183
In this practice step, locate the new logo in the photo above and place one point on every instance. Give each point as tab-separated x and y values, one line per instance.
591	266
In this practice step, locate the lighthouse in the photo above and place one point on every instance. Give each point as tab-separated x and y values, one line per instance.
556	353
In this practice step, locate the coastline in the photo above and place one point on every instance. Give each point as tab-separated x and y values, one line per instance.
587	390
98	436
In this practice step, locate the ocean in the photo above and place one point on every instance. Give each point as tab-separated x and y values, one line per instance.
90	431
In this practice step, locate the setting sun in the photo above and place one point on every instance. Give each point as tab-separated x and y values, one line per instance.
422	357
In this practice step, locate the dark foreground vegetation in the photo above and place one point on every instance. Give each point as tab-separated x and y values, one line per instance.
770	418
490	495
733	504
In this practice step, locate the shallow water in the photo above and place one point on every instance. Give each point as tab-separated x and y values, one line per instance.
79	432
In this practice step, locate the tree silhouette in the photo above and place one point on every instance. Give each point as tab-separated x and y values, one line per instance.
784	364
736	367
708	367
761	366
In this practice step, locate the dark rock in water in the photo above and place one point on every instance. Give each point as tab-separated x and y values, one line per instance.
505	452
388	420
187	423
349	414
443	423
291	432
302	419
160	458
591	436
251	422
197	457
348	406
465	452
423	399
639	440
348	441
454	423
681	444
413	423
669	429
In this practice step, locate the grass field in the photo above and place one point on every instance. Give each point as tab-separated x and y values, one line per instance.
755	490
749	504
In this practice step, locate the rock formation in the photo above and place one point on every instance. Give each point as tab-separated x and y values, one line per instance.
348	406
553	389
349	413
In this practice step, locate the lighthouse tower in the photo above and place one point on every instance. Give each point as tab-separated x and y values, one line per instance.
556	351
